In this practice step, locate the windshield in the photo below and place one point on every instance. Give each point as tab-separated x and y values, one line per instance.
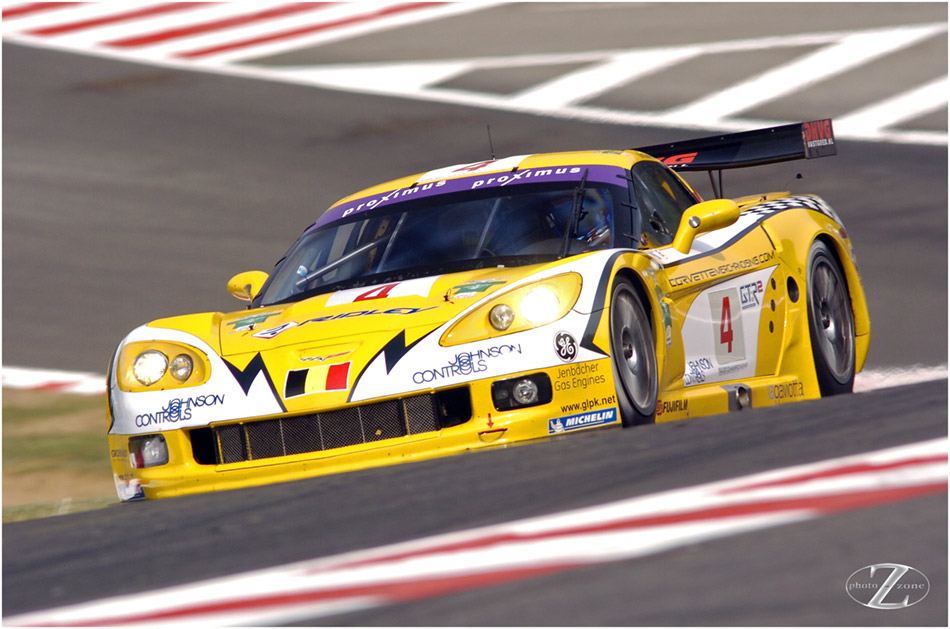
445	233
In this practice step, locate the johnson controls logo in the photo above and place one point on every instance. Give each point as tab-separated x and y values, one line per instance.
887	586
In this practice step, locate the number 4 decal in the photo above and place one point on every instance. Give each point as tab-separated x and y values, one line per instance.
725	325
726	313
380	292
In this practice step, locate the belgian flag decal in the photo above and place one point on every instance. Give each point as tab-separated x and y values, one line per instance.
317	380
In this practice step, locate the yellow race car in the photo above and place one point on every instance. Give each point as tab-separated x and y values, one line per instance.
484	304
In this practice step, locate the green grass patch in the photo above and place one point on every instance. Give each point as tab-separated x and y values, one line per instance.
55	454
20	513
19	410
78	451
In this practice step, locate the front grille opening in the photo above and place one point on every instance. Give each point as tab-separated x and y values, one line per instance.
455	406
203	447
270	438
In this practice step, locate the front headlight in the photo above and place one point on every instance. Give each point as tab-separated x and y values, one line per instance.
149	367
182	366
158	365
523	308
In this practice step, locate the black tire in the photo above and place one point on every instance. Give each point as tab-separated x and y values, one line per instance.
633	353
830	322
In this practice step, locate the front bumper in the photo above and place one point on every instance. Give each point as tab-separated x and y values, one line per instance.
265	450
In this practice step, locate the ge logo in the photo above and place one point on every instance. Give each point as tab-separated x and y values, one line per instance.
887	586
565	346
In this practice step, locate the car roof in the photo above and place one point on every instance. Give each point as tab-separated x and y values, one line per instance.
620	158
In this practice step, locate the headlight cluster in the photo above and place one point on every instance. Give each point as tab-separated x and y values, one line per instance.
527	307
149	365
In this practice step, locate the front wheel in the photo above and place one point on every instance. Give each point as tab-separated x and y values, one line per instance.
830	322
633	353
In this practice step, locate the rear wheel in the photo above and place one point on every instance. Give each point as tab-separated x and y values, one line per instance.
830	322
633	354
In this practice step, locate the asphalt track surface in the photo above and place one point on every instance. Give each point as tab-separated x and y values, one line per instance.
790	575
132	193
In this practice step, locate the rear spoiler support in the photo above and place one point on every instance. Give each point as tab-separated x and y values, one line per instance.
801	140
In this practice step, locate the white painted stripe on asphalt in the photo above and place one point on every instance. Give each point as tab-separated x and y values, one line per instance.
887	377
897	109
332	21
93	35
389	22
850	52
321	12
587	83
560	97
83	383
492	555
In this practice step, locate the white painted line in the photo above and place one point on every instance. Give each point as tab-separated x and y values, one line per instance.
587	83
318	12
850	52
875	379
511	551
342	32
93	35
395	78
222	52
899	108
50	380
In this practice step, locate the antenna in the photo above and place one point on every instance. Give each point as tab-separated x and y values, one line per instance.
491	149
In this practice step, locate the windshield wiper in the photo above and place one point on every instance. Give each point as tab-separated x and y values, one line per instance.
309	277
577	209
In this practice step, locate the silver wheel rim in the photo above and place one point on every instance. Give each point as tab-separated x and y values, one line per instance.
632	344
831	312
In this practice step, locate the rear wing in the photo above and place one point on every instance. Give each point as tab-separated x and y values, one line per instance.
801	140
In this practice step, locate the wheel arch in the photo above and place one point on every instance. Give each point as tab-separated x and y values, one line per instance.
639	285
635	269
859	307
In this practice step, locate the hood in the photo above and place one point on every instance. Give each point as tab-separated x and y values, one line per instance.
342	321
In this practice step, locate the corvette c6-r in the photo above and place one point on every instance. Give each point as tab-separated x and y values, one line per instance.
489	303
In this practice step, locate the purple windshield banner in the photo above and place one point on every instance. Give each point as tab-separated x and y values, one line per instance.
596	173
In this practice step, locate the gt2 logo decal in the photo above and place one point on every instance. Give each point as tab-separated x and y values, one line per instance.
272	332
749	294
465	363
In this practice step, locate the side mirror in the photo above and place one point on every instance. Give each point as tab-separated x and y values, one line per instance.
245	286
704	217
